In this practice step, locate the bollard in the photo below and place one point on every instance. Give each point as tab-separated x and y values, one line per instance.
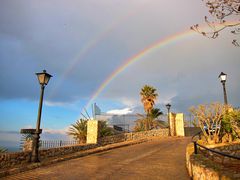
195	147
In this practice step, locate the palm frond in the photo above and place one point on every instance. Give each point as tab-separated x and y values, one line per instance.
3	150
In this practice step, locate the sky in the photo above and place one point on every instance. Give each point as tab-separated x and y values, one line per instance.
104	52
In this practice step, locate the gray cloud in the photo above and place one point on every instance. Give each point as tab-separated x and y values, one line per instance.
37	35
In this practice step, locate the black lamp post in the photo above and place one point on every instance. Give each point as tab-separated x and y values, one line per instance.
43	79
223	78
168	108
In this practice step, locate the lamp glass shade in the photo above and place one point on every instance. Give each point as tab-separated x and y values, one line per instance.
43	77
47	78
168	106
223	76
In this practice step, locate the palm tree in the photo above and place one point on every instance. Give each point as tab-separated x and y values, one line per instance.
104	130
79	130
3	150
149	121
155	113
148	97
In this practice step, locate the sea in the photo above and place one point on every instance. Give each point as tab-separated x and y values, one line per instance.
10	146
13	149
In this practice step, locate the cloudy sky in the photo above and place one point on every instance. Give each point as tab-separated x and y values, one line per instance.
83	42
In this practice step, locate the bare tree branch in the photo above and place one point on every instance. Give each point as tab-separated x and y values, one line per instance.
226	15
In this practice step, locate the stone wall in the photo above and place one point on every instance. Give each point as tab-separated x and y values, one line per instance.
20	158
13	159
230	148
200	167
133	136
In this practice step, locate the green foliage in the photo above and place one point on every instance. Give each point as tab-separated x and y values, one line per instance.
155	113
231	123
79	130
149	121
3	150
226	125
104	130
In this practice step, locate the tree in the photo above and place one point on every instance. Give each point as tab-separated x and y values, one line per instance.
79	130
225	15
148	97
149	121
209	117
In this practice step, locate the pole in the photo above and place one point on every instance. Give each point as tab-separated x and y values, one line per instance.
169	117
36	136
224	92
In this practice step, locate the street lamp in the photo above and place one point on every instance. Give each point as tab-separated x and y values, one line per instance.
43	79
168	108
223	78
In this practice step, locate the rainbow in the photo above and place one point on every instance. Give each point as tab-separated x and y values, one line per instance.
140	55
174	38
92	44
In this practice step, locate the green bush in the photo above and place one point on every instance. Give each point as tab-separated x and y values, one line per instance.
231	123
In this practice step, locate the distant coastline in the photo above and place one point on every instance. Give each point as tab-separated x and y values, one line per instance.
12	146
13	149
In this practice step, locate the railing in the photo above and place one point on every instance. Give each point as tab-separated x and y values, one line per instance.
211	150
44	144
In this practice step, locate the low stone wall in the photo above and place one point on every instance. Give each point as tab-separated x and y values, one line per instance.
230	148
8	160
13	159
20	158
133	136
201	167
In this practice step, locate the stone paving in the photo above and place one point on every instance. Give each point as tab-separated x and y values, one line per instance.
157	159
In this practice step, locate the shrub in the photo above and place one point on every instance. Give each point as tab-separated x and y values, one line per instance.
231	123
209	118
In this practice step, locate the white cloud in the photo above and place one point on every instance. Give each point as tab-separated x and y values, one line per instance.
56	134
56	131
51	103
120	111
130	102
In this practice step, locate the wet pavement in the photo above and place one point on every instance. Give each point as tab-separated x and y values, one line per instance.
157	159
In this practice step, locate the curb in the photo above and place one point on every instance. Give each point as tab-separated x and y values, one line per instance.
28	167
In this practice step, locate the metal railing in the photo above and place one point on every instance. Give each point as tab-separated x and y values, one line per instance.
208	149
47	144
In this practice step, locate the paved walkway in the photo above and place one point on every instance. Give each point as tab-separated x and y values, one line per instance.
157	159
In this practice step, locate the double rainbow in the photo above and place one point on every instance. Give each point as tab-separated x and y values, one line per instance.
140	55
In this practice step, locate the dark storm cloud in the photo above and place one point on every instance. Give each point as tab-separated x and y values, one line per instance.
51	35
